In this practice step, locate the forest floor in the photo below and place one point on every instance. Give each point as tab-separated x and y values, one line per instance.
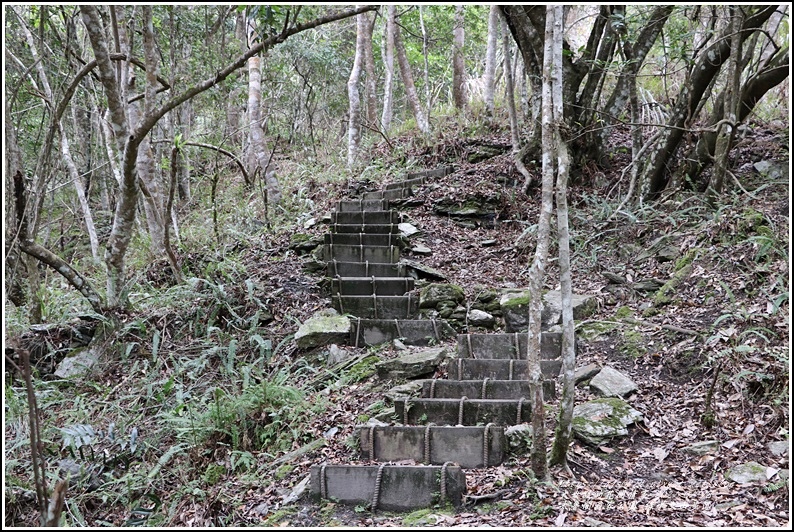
726	327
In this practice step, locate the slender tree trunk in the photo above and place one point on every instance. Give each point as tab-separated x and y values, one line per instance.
261	154
370	84
552	72
490	60
388	63
426	69
732	99
408	82
458	61
510	101
354	109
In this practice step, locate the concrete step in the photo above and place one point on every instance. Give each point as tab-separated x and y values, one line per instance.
482	389
366	286
343	253
365	269
404	183
378	307
357	205
365	228
441	171
410	332
388	194
365	217
463	411
507	345
364	239
497	369
472	447
388	487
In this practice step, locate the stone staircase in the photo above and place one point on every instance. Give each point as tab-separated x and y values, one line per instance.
456	423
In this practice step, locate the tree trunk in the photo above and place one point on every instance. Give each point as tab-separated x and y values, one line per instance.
731	99
458	61
388	63
770	76
510	101
260	155
408	81
490	60
426	69
551	117
654	175
354	109
370	84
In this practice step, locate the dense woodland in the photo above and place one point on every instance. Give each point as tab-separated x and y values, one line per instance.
165	166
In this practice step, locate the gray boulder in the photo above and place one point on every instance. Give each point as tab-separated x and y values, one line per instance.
324	327
610	382
480	318
747	473
596	422
435	294
77	364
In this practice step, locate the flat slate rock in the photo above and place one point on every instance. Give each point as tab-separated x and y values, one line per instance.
611	383
412	365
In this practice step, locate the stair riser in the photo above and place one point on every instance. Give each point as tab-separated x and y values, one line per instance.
505	390
365	217
498	369
361	269
373	285
381	254
364	239
402	488
359	205
462	445
410	332
339	229
475	412
507	346
380	307
389	194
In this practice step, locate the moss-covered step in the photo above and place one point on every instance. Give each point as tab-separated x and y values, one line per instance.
364	239
411	332
388	487
497	369
469	447
361	204
507	345
367	286
463	411
342	253
482	389
365	217
377	307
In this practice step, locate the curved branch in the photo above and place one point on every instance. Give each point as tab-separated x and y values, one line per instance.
227	153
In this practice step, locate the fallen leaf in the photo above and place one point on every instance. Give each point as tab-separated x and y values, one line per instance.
560	519
660	454
605	449
748	429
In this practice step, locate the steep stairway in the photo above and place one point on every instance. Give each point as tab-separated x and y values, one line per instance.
456	423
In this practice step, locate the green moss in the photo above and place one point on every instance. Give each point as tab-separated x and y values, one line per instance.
517	300
283	471
363	369
213	474
632	344
280	516
623	312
